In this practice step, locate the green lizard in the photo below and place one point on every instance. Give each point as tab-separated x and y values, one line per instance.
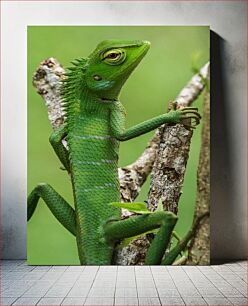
94	127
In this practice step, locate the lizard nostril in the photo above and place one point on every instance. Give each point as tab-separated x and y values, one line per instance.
97	77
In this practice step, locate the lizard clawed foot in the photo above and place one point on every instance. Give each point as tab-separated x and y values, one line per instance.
190	114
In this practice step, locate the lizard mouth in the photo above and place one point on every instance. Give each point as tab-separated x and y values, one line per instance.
107	100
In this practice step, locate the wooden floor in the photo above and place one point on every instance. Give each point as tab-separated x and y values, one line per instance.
92	285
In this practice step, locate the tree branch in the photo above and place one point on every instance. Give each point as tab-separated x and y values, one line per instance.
199	248
170	165
47	80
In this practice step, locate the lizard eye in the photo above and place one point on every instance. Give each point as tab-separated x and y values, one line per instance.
114	56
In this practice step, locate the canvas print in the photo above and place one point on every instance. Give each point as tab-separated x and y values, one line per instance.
118	145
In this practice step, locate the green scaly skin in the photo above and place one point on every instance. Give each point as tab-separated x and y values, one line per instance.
94	127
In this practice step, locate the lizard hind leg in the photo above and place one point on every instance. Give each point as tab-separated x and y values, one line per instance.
165	221
61	210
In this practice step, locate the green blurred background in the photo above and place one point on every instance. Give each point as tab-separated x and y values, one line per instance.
159	78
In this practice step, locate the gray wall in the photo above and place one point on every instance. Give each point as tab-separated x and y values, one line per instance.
229	96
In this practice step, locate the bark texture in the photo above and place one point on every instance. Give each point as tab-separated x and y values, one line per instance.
199	249
169	168
170	165
47	80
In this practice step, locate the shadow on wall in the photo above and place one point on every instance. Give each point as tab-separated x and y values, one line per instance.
223	225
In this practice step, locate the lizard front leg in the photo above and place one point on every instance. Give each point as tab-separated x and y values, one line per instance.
177	116
61	210
166	221
56	141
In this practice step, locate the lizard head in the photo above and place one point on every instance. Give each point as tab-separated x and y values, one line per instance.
110	65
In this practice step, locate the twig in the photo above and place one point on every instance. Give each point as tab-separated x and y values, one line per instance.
180	262
170	258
